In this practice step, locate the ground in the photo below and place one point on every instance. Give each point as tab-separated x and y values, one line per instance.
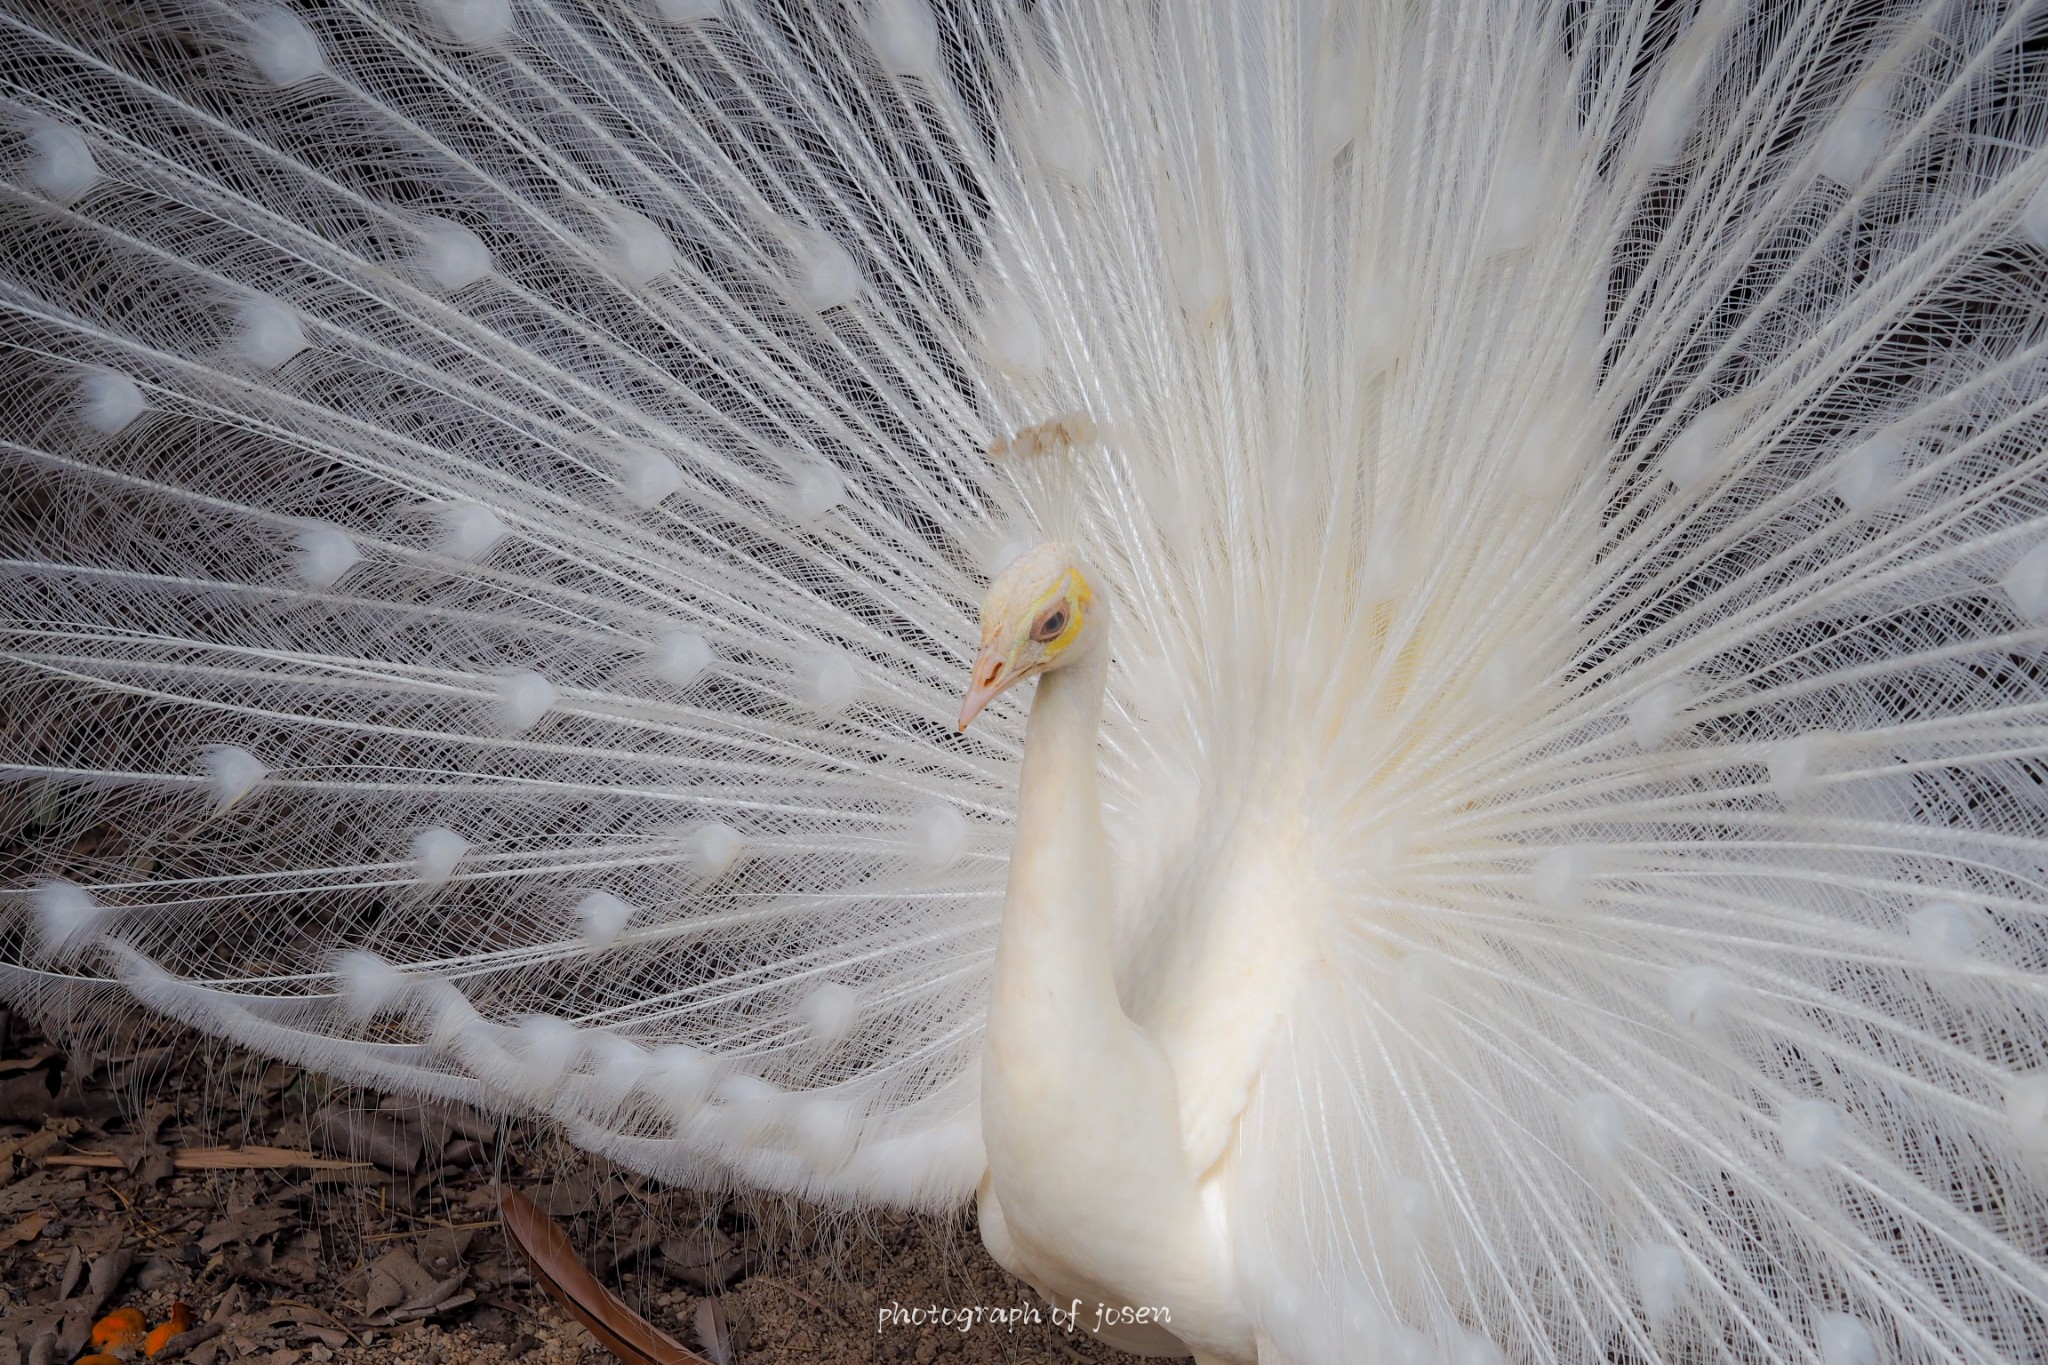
290	1256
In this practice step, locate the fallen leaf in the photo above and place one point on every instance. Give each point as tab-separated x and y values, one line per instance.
707	1261
94	1104
463	1152
235	1301
386	1138
27	1098
39	1192
580	1193
619	1250
622	1331
439	1293
442	1298
74	1268
78	1326
27	1230
294	1266
244	1225
74	1331
122	1327
142	1144
395	1279
257	1263
306	1319
160	1336
94	1241
105	1276
441	1249
145	1065
470	1123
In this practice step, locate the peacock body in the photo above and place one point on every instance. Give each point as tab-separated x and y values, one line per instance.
1529	521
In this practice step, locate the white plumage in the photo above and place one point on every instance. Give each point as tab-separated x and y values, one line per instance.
499	489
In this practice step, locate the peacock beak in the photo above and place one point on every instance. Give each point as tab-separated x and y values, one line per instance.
991	675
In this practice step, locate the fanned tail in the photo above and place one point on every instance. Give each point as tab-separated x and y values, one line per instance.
503	504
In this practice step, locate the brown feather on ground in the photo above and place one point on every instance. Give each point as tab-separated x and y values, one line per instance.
622	1331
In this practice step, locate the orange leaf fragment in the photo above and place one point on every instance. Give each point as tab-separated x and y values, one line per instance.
122	1327
99	1358
160	1335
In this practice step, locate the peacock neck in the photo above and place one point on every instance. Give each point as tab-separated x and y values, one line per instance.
1080	1113
1053	952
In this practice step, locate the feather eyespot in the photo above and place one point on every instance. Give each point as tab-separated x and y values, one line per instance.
1050	625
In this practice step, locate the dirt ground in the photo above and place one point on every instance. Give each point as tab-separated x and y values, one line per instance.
156	1168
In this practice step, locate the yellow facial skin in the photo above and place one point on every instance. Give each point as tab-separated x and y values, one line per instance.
1034	612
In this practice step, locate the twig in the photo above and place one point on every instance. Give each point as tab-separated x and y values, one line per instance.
336	1323
195	1336
218	1159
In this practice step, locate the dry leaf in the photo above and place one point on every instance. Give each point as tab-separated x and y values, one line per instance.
141	1145
27	1230
441	1249
146	1065
160	1336
580	1193
463	1152
244	1225
622	1331
400	1284
707	1260
442	1298
122	1327
232	1303
395	1279
303	1319
94	1241
67	1279
27	1098
379	1136
39	1192
105	1276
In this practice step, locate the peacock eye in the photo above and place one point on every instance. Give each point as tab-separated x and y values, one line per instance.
1050	625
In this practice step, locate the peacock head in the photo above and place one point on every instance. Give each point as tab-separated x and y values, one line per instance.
1040	614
